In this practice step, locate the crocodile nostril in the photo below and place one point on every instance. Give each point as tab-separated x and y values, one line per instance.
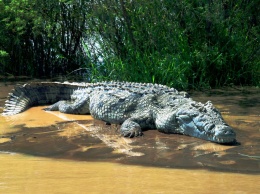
228	130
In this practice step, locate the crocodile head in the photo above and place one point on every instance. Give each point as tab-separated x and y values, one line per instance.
204	121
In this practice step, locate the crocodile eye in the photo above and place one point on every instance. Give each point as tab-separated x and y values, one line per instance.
184	118
211	127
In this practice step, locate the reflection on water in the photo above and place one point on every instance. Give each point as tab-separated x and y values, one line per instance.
50	152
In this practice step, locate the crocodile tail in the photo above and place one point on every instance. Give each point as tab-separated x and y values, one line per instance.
33	94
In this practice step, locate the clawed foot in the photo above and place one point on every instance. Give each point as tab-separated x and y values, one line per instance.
131	129
54	107
133	133
47	109
51	108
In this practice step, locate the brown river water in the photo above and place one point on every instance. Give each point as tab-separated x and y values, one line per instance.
51	152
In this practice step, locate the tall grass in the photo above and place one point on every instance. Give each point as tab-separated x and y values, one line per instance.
180	43
183	44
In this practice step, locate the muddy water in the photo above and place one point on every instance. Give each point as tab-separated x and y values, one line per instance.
50	152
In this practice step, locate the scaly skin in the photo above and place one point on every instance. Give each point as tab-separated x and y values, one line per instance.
135	106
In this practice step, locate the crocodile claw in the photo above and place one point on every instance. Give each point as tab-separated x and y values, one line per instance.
131	129
133	133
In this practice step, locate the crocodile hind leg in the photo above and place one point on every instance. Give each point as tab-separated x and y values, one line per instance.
79	106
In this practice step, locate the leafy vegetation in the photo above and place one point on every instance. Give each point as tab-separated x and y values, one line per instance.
178	43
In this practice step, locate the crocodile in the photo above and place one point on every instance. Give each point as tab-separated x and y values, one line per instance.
135	106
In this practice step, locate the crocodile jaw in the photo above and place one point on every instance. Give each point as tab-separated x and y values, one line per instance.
204	121
222	134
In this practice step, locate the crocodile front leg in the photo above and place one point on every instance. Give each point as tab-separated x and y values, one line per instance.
130	128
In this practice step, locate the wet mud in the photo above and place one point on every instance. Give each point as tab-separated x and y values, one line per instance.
80	138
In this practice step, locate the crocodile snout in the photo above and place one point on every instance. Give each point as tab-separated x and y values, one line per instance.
224	134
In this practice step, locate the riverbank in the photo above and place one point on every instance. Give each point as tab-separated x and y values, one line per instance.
51	146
